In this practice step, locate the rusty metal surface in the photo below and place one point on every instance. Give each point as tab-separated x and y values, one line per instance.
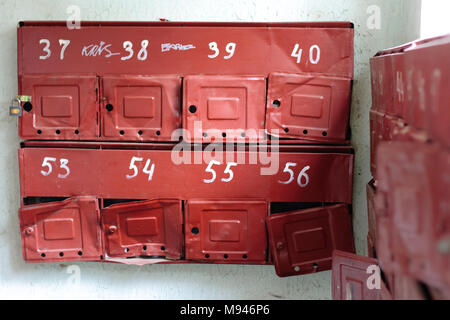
143	228
226	230
303	241
308	107
136	174
61	231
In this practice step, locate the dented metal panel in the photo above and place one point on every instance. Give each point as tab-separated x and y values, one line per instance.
144	228
140	107
350	277
407	84
186	48
309	107
61	231
136	174
223	108
62	107
414	228
226	230
303	241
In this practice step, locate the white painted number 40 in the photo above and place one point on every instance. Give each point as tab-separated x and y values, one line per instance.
314	53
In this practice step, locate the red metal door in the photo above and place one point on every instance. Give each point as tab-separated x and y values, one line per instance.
145	108
226	231
61	231
143	228
223	108
350	277
307	106
303	241
62	107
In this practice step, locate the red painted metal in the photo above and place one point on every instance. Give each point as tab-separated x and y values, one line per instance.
303	241
409	85
103	172
63	107
139	64
350	277
61	231
144	228
260	48
226	230
308	106
140	107
223	108
415	229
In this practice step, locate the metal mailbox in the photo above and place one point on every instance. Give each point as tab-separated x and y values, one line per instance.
140	107
303	241
62	107
308	106
139	65
223	231
223	108
409	85
416	216
61	231
350	277
144	228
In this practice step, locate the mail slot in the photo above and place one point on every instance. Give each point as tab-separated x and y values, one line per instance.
62	107
143	228
351	277
223	108
303	241
226	231
144	108
310	107
61	231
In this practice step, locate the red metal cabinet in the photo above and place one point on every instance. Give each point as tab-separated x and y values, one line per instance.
144	228
350	277
308	106
223	108
61	231
140	107
226	231
416	221
62	107
303	241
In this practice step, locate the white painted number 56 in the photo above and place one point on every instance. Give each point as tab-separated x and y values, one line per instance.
302	179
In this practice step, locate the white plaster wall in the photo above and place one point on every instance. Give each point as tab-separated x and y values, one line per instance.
399	24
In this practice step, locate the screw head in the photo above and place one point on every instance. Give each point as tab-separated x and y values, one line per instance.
280	245
112	229
28	231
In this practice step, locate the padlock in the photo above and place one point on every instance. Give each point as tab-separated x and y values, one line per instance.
15	109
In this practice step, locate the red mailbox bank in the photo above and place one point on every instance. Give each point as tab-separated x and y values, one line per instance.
409	198
163	142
